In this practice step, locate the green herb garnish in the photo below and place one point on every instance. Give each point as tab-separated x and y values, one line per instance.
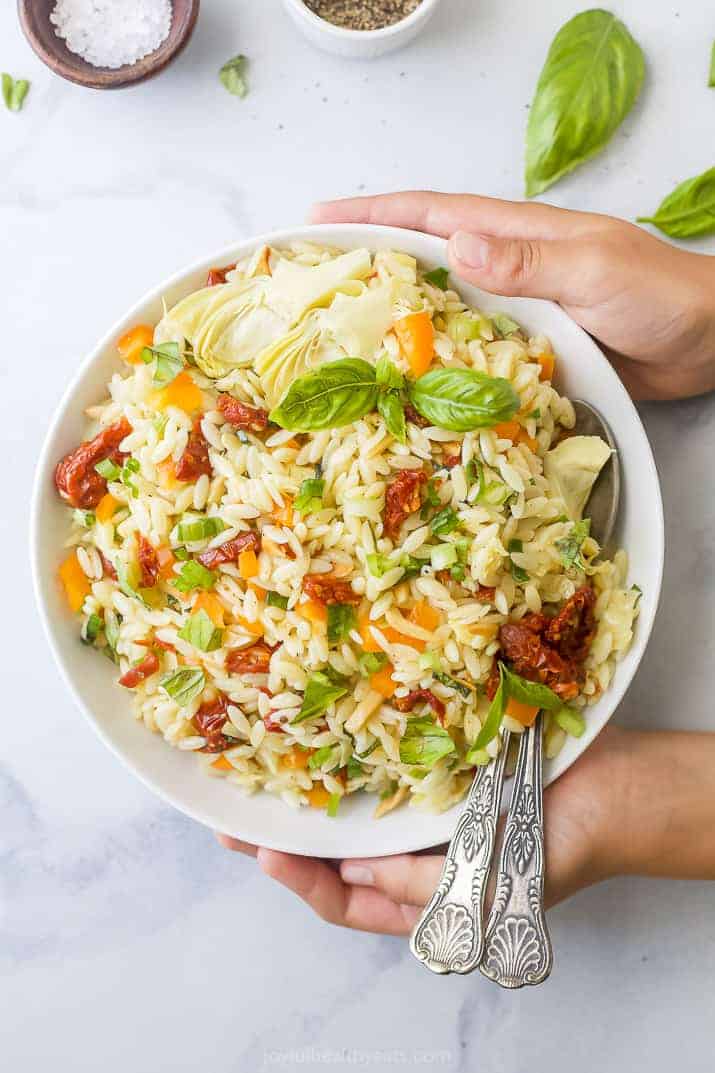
233	76
184	685
462	400
331	396
169	361
90	631
320	756
194	575
430	499
570	546
319	694
274	599
85	518
463	688
310	496
108	469
200	631
424	743
341	620
438	277
14	92
193	530
445	522
371	662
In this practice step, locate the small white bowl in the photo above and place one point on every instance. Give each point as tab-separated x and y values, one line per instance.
359	44
582	372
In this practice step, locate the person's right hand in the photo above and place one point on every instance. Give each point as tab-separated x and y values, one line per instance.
650	304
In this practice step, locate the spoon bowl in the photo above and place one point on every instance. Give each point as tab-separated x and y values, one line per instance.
52	50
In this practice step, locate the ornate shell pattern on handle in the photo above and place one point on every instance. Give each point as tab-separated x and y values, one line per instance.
517	944
449	937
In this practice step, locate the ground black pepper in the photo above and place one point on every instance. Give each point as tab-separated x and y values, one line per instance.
363	14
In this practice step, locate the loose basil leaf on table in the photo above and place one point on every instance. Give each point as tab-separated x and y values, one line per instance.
392	410
689	211
232	76
333	395
591	79
463	399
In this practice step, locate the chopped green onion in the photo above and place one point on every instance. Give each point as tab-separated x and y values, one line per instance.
444	522
443	556
232	76
193	530
516	571
341	620
430	661
130	467
310	496
14	91
184	685
108	469
570	720
333	805
431	499
201	632
354	768
370	749
181	554
84	518
90	630
478	757
458	572
194	575
371	662
320	756
438	277
111	630
274	599
464	327
169	362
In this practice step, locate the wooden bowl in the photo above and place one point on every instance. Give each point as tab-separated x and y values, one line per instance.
52	50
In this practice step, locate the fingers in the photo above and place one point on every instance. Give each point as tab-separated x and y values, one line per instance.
406	879
443	214
325	892
237	846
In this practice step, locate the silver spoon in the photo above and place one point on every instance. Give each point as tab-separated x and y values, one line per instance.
515	948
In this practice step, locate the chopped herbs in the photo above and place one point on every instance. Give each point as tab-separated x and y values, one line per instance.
108	469
430	499
274	599
233	76
194	576
320	693
320	756
362	14
193	530
85	518
570	546
371	662
169	361
466	690
310	496
341	620
130	467
201	632
14	91
444	522
424	743
90	631
354	768
185	685
438	277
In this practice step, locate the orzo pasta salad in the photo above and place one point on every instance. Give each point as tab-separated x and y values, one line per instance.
329	527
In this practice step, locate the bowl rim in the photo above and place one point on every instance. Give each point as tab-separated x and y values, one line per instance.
344	33
330	235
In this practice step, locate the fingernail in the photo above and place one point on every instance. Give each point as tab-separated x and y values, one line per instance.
357	874
471	250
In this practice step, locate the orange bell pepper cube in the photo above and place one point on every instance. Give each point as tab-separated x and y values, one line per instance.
523	713
508	430
222	764
182	392
166	560
210	603
368	641
318	797
424	615
254	628
382	682
296	759
131	344
75	582
415	334
548	364
314	611
106	508
247	564
283	515
167	475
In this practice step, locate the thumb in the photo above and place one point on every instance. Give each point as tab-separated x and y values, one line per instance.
527	267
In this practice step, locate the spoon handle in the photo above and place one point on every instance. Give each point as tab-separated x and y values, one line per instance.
449	936
517	944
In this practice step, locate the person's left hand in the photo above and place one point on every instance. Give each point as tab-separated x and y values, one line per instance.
584	816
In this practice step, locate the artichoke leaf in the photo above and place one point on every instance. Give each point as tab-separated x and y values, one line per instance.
289	357
572	468
297	287
359	324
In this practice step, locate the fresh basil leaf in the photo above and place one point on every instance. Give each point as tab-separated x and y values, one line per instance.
310	496
690	209
200	631
184	685
108	469
341	620
370	749
590	81
515	545
371	662
319	694
233	76
355	770
14	92
169	361
445	522
569	547
387	374
274	599
194	575
570	720
504	325
463	399
85	518
333	805
193	530
430	499
527	692
90	630
331	396
392	411
518	573
711	79
424	743
438	277
320	756
465	689
493	721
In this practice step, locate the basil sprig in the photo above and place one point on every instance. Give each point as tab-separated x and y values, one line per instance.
461	400
590	81
690	209
333	395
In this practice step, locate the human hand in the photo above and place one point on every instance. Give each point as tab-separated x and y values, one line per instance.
386	894
651	305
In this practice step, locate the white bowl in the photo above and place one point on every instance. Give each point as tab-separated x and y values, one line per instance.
359	44
583	372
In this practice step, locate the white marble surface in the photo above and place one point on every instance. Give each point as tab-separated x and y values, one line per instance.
128	940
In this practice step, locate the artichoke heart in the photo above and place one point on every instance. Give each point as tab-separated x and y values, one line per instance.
572	468
289	357
359	323
297	287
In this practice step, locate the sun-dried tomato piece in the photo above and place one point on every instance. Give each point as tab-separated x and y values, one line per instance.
485	594
416	419
420	696
230	551
252	660
402	498
148	563
572	629
240	415
148	666
209	721
195	460
76	479
327	590
107	567
493	680
156	642
534	659
218	275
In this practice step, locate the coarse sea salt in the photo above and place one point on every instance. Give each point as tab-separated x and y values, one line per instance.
112	33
